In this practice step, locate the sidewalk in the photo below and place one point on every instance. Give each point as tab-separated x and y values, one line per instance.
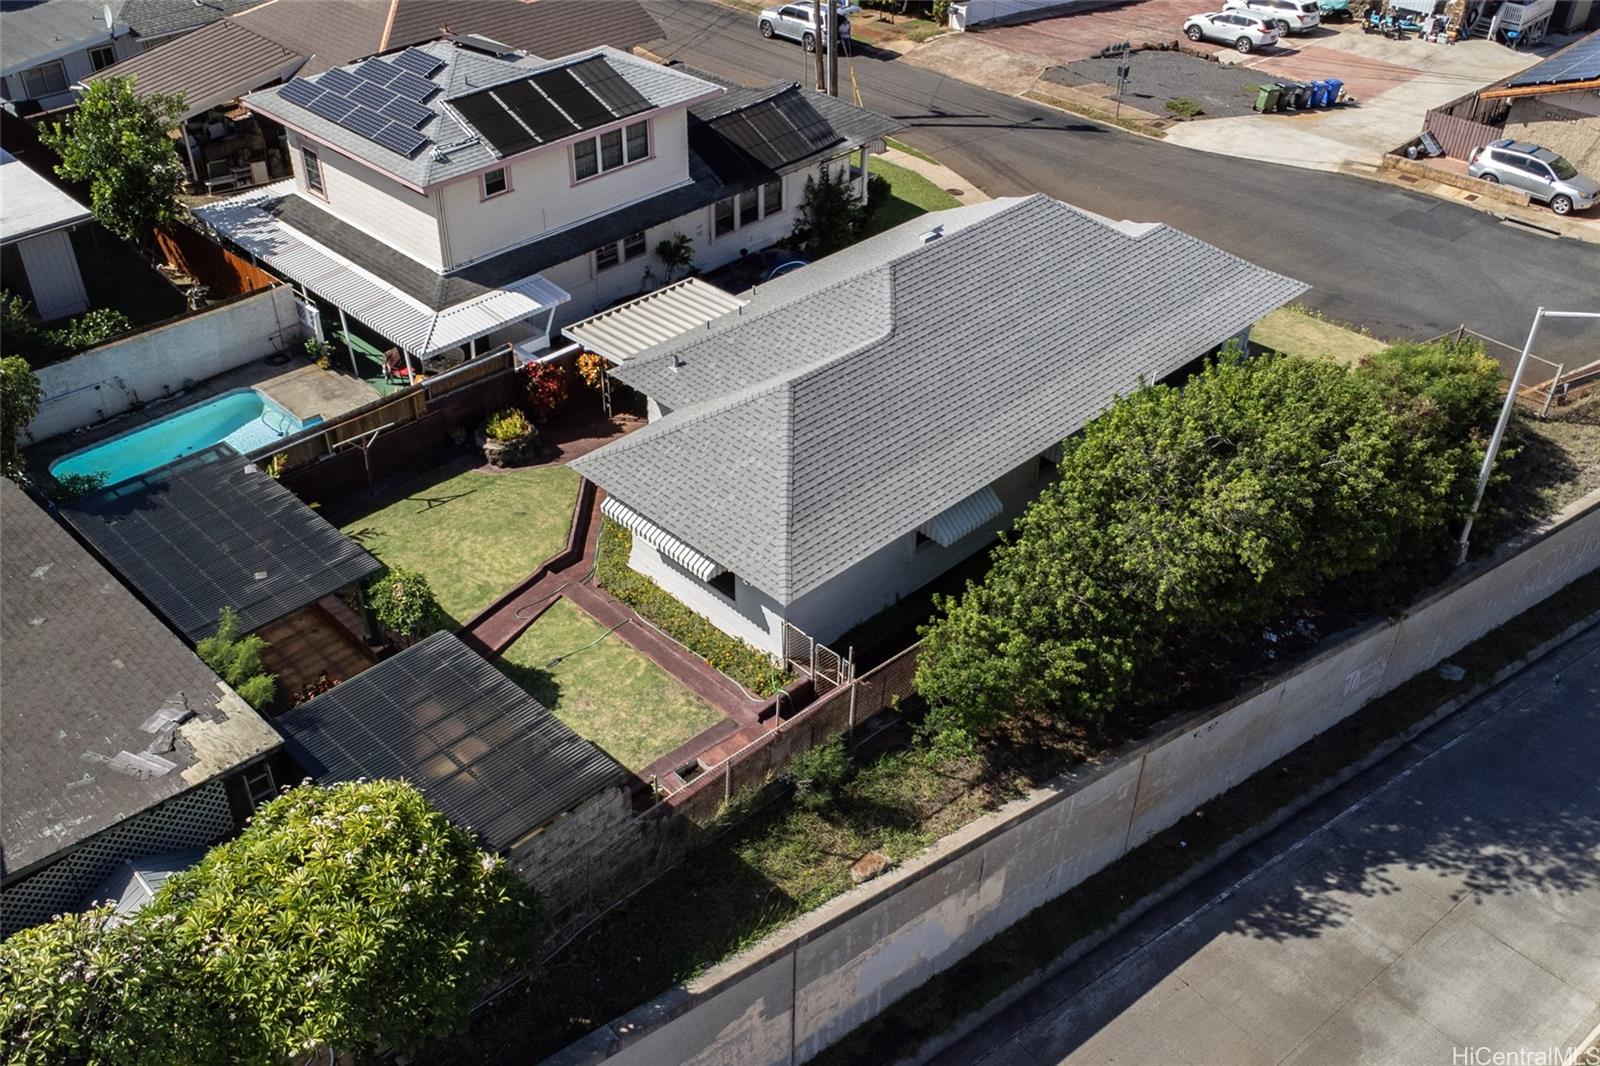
938	173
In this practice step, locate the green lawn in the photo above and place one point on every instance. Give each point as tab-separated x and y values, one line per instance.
1294	331
603	688
911	195
473	535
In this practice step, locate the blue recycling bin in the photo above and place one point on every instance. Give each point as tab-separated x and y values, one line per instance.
1319	94
1335	88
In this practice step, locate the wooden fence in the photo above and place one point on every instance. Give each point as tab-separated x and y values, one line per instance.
1459	136
212	265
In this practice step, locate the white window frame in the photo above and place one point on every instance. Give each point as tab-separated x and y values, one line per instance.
311	164
596	145
735	204
41	71
483	183
607	257
619	253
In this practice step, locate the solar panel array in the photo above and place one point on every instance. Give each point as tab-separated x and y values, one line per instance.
381	99
440	715
211	531
1580	62
550	105
778	131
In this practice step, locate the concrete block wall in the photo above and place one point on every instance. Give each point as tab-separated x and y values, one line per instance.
812	982
106	381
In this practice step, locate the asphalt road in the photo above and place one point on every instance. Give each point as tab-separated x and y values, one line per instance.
1400	263
1447	899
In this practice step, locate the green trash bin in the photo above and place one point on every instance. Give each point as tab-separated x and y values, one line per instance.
1267	97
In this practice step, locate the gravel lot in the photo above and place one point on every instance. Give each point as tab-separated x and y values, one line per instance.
1157	77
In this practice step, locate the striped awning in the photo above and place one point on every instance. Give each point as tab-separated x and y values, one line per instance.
659	539
655	318
968	516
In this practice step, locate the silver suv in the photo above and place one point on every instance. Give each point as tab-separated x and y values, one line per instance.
794	22
1539	172
1290	16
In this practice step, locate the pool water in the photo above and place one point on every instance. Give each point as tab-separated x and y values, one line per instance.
244	418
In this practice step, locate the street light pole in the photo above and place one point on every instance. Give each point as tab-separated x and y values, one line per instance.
1505	420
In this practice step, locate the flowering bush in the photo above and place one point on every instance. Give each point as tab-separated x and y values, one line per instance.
510	424
591	368
548	385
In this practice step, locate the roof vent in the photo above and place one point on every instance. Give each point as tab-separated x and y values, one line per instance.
932	235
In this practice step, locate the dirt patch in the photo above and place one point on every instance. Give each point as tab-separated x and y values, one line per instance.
1158	78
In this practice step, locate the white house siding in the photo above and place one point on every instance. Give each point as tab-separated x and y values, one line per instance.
53	277
374	203
848	598
544	199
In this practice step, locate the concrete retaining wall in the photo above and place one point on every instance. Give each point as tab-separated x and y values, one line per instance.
106	381
811	983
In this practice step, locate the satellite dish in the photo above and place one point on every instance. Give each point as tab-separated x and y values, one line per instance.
111	20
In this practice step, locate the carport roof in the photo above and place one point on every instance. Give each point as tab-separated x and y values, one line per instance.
213	530
441	716
640	324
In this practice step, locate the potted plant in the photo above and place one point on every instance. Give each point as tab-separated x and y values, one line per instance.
508	439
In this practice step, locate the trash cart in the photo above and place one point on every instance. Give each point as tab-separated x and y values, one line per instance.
1335	90
1267	97
1302	97
1319	94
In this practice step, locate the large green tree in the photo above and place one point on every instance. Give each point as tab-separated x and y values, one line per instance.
344	918
20	396
1181	516
117	142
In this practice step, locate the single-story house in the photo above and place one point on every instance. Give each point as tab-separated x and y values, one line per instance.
120	747
870	420
37	259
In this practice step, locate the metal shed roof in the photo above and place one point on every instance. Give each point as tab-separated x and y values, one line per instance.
30	205
212	531
630	328
442	717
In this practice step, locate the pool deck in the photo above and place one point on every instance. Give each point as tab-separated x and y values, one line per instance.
297	386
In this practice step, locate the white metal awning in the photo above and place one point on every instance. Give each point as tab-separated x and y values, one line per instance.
970	515
659	539
624	331
406	321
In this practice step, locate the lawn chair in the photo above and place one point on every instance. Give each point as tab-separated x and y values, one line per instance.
220	175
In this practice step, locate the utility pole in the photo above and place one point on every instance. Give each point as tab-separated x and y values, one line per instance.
1505	419
833	47
816	25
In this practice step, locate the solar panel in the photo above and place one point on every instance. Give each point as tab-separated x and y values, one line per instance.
371	93
339	81
405	112
412	87
377	70
417	62
574	98
365	121
332	106
1580	62
612	88
486	115
299	91
535	110
398	138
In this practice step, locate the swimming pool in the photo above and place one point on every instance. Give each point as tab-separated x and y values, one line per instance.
244	418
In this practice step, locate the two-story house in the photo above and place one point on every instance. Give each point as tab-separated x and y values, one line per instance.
459	194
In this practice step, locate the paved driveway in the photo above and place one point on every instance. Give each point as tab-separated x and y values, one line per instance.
1448	900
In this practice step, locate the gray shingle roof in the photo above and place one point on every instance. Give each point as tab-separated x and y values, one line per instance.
459	149
213	64
835	415
86	666
159	18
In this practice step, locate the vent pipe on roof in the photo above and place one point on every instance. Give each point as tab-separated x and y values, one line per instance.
932	235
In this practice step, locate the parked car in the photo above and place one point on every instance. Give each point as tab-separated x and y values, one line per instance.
1289	16
794	22
1335	10
1541	173
1245	30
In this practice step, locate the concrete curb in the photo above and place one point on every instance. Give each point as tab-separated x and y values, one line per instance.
1082	947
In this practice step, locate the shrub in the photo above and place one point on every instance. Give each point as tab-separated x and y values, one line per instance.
237	660
821	773
941	12
507	425
830	216
591	368
1184	107
1202	514
676	254
749	667
547	385
20	396
404	603
71	486
319	352
92	328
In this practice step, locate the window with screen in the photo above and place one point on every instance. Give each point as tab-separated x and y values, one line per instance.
46	80
749	207
638	141
724	217
313	167
495	182
610	149
605	257
103	57
633	246
772	197
585	159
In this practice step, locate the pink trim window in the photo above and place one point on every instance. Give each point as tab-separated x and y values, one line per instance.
492	183
610	150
